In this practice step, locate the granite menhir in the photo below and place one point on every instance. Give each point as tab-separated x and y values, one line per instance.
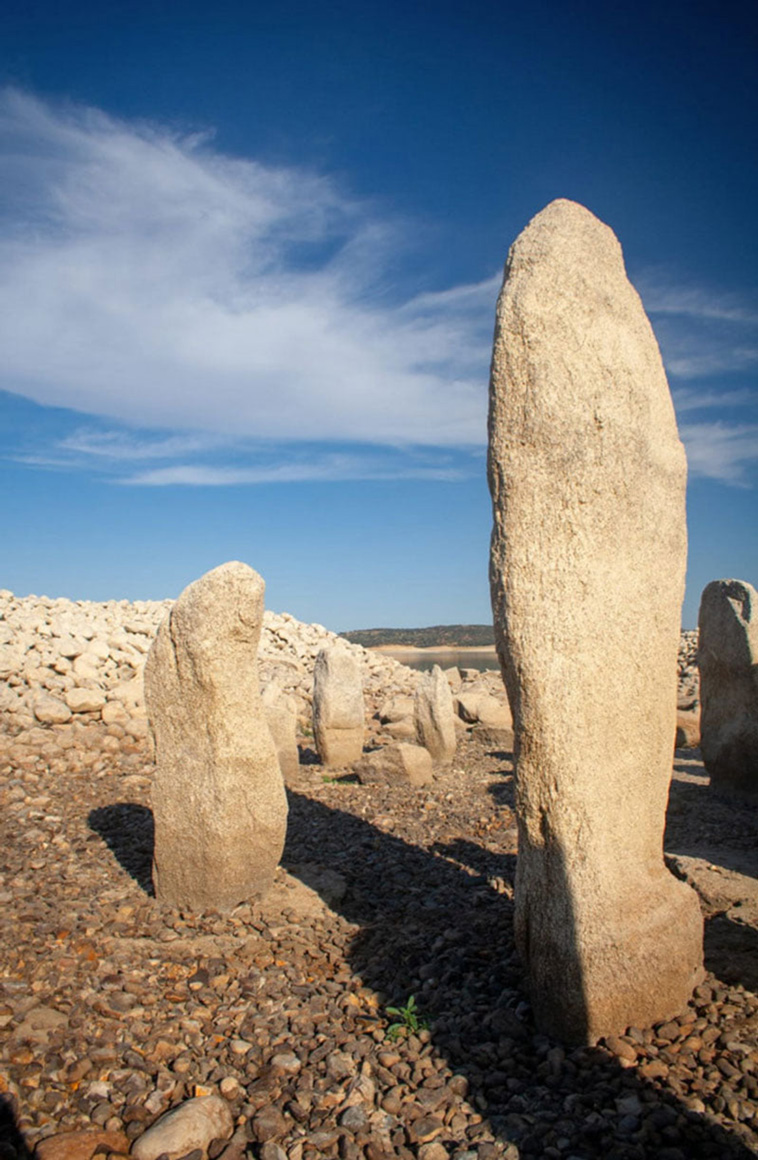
218	796
587	476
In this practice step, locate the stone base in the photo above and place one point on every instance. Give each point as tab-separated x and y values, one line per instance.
339	747
635	970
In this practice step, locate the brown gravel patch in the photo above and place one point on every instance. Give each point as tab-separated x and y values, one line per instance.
114	1009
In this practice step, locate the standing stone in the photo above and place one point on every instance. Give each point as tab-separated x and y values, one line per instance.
338	712
435	718
587	477
281	715
218	798
728	660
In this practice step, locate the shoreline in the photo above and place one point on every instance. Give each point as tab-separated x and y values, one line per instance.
484	649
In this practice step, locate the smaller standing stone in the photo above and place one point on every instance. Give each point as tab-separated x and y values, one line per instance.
282	721
218	798
338	712
435	719
728	661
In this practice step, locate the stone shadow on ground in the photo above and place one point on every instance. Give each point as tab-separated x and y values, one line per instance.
437	924
431	928
12	1143
731	951
129	832
701	824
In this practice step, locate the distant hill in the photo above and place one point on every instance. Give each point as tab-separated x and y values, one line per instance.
450	635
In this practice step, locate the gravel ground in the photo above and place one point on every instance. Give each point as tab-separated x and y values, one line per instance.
114	1009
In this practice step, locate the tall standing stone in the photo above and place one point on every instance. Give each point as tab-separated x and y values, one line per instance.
338	711
587	477
218	798
435	717
728	661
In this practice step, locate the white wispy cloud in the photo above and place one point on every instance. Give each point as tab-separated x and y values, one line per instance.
147	277
689	399
663	296
720	451
328	469
206	306
702	332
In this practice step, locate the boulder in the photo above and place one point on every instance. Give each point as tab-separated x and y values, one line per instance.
587	477
728	662
399	764
84	700
51	711
218	798
435	720
398	708
338	712
474	707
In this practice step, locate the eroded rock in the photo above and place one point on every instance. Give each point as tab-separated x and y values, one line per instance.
218	797
587	476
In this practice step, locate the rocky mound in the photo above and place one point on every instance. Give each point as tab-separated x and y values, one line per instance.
80	663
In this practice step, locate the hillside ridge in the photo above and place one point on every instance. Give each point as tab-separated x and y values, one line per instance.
447	635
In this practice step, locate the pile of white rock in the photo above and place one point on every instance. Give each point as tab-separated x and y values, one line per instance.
64	660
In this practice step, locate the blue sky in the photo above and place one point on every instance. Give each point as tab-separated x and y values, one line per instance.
249	261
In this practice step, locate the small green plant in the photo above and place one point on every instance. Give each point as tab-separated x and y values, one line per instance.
409	1020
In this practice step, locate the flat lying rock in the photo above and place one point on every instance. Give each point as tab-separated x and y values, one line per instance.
399	764
81	1145
194	1124
38	1024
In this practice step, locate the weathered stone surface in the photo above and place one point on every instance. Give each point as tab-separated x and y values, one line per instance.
435	719
587	477
728	661
81	1145
85	700
338	713
51	711
281	716
194	1124
479	707
39	1024
218	797
399	764
687	730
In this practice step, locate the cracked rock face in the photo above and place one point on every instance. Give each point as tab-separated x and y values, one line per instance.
587	476
728	661
218	798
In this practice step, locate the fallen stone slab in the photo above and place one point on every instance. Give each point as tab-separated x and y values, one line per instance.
399	764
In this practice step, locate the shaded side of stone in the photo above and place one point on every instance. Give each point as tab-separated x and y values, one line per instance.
435	717
728	662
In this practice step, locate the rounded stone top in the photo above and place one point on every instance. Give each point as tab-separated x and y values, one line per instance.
567	235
